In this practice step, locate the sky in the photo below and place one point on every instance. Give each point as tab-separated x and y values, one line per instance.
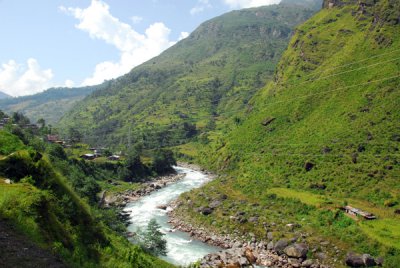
73	43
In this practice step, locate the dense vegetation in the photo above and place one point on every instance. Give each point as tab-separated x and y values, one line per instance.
53	200
192	87
323	134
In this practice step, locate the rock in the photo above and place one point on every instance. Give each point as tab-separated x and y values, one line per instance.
320	256
270	245
253	219
250	256
206	211
243	262
270	236
157	187
379	261
294	262
307	263
223	197
233	265
237	244
163	207
369	261
308	166
214	204
354	260
298	250
280	245
267	121
8	181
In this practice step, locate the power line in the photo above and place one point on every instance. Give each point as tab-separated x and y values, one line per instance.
354	62
348	71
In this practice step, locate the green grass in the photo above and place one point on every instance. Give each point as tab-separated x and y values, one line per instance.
9	143
304	197
386	231
17	202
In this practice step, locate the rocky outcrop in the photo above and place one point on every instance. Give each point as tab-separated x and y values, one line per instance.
364	260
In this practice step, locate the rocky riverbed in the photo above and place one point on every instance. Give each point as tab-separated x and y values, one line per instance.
123	198
241	253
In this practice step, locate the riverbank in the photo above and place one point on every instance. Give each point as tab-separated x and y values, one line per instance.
121	199
239	252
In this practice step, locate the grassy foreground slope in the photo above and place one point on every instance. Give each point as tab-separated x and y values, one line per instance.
42	205
324	133
191	87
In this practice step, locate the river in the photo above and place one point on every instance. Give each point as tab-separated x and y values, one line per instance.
182	249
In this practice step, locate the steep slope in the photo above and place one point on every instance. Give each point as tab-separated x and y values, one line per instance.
192	86
49	105
323	134
43	212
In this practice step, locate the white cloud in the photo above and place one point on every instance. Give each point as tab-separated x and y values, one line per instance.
183	35
69	83
200	6
250	3
136	19
24	79
134	48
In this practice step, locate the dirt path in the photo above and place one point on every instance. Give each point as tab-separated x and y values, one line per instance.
17	251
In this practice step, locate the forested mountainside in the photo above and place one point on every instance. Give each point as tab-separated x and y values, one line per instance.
323	134
49	105
192	87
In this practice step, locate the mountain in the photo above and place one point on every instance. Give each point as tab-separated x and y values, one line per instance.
192	87
323	134
49	105
4	95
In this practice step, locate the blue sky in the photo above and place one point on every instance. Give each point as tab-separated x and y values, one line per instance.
48	43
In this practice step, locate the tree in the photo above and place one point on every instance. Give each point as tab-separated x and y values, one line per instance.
74	135
133	169
163	160
152	239
42	122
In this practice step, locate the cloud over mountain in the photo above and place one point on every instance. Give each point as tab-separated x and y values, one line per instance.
135	48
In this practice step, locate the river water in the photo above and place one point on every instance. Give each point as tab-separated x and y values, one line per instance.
182	249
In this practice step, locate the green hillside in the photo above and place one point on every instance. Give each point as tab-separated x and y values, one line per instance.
324	133
50	105
193	86
49	205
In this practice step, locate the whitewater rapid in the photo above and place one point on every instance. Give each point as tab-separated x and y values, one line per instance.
182	249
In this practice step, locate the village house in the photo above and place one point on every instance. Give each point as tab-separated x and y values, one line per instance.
54	139
358	212
88	156
114	157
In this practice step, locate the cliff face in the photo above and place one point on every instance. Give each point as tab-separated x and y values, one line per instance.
385	11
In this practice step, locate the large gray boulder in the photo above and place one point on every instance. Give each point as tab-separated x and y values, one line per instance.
354	260
280	245
298	250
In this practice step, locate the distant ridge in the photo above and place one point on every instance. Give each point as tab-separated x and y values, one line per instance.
4	95
49	105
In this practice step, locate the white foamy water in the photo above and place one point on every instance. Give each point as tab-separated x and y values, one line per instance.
182	249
